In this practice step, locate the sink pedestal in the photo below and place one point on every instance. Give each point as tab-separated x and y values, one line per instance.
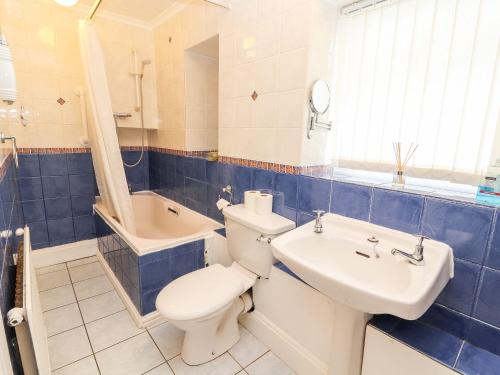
348	340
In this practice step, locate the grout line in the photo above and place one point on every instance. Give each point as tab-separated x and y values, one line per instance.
66	330
259	357
55	308
115	344
458	354
234	359
46	273
72	363
165	358
97	295
164	363
85	328
106	316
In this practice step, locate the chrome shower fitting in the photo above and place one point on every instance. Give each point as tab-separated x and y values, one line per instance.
11	138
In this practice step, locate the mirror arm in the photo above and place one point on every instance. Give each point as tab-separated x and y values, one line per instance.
316	123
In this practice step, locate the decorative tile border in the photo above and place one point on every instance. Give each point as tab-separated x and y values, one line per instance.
325	171
54	150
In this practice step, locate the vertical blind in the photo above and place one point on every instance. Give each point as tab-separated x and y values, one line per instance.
422	71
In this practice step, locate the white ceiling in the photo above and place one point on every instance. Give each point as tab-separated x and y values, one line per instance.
140	10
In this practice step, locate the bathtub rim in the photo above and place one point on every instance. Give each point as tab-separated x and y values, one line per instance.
142	246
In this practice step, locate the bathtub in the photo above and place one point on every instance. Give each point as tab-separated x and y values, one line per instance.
170	242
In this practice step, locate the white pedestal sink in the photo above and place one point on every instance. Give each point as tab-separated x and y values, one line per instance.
363	277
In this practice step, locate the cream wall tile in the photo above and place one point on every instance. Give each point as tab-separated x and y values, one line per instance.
266	73
293	70
295	27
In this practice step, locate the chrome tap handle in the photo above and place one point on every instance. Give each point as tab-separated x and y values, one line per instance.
421	239
319	213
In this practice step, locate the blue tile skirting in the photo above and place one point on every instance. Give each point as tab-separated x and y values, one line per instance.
472	230
143	277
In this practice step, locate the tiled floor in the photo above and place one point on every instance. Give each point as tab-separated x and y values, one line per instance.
90	332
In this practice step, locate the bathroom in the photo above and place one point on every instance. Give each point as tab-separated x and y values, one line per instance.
251	187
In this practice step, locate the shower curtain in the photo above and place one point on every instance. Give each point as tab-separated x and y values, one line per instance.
106	154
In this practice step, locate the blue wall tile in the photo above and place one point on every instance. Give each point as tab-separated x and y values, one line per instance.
464	227
225	175
432	341
351	200
243	181
397	210
82	205
60	230
313	194
29	166
263	179
493	259
34	211
459	293
58	208
55	186
484	336
287	184
448	320
475	361
488	302
38	232
195	190
80	163
82	184
84	227
30	188
304	218
53	164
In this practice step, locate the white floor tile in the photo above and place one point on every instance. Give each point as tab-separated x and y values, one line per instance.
92	287
86	271
50	299
223	365
168	338
62	319
160	370
53	280
132	357
82	261
269	364
100	306
53	268
243	372
68	347
86	366
248	349
111	330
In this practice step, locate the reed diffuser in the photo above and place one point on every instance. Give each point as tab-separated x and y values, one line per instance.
401	163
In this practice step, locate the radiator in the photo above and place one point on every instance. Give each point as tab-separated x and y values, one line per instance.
31	332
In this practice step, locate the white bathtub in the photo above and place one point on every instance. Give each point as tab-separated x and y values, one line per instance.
161	223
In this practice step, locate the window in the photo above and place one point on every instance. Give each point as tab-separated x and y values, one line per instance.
422	71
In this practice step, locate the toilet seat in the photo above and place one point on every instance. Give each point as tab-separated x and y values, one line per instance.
200	293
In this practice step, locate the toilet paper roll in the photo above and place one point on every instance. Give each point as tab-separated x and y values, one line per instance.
15	316
264	204
222	203
250	199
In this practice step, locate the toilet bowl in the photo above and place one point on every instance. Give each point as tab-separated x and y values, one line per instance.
206	303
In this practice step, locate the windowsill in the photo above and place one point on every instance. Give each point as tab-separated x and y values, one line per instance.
438	188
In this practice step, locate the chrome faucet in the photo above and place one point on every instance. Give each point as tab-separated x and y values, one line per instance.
417	257
318	226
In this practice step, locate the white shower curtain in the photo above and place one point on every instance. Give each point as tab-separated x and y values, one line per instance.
106	154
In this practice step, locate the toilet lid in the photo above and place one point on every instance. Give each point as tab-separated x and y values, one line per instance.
199	293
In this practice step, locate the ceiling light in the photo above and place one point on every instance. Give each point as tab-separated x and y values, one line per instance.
66	3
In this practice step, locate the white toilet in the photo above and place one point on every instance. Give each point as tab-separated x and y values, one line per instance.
207	303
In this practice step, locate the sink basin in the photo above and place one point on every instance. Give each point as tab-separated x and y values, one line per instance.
363	277
343	264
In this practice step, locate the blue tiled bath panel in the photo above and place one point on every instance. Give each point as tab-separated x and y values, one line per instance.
143	277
